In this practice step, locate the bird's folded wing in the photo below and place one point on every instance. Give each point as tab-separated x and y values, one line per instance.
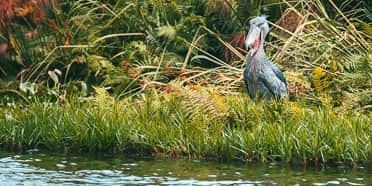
273	79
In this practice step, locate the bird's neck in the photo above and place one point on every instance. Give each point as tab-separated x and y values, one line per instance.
260	52
259	55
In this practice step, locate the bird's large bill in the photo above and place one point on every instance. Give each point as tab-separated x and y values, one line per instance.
253	40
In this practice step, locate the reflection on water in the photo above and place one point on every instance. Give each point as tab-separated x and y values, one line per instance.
37	168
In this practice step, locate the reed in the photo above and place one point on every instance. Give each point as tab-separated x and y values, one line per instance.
165	125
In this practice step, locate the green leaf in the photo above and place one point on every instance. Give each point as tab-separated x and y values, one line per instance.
167	32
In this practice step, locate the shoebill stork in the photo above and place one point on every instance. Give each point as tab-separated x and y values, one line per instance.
262	78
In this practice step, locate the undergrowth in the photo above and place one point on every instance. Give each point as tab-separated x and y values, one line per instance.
164	125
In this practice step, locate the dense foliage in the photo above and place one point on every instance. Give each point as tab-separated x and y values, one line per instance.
219	127
55	48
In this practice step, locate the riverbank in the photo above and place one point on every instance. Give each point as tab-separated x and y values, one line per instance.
192	124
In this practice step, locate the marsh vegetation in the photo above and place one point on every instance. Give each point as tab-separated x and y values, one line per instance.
165	78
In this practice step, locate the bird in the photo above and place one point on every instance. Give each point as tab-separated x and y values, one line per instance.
263	80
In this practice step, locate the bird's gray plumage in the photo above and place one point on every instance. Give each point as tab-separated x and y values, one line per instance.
262	78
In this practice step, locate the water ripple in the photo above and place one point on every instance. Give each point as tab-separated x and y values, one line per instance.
41	169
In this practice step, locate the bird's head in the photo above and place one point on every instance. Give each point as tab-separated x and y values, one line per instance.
259	28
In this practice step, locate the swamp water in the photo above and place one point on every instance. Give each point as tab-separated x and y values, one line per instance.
39	168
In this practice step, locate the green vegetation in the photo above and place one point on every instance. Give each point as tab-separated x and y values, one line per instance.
228	128
165	77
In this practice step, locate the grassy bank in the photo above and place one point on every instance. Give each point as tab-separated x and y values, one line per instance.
199	124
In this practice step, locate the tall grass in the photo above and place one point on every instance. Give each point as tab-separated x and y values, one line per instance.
166	125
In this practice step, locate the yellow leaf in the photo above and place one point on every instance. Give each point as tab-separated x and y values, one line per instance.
25	10
14	44
320	79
